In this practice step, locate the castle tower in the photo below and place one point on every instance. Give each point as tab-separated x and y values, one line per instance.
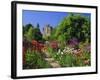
47	31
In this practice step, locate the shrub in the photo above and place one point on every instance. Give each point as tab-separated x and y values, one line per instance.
34	60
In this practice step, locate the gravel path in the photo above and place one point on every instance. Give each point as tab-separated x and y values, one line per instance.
51	60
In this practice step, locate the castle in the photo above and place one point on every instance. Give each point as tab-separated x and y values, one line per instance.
47	31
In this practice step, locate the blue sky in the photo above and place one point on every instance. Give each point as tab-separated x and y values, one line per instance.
43	17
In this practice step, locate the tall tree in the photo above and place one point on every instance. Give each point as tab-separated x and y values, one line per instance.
29	34
37	35
74	25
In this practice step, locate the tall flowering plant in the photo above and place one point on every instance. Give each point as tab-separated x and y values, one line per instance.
73	42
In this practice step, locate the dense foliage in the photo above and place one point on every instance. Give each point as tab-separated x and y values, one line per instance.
73	26
34	60
31	32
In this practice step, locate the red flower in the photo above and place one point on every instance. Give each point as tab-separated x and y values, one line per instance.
54	44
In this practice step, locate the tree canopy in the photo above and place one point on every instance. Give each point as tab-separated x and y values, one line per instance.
73	26
31	32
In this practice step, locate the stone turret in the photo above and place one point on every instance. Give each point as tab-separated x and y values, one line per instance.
47	30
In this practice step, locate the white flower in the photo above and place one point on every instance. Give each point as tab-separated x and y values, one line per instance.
68	50
59	51
64	50
62	53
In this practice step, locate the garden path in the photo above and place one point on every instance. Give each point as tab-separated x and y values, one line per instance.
51	60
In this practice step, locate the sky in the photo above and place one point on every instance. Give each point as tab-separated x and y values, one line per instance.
43	18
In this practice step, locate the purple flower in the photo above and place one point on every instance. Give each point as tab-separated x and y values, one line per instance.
73	42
